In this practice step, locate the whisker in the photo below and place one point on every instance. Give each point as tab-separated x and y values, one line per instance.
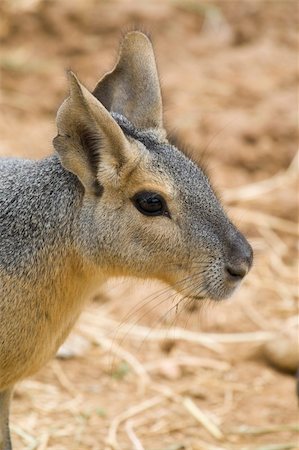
162	318
158	322
154	296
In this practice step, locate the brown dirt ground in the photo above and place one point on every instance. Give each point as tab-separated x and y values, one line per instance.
229	71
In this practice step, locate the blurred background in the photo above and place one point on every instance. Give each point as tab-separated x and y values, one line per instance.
147	374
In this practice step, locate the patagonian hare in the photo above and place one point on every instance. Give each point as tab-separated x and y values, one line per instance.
116	198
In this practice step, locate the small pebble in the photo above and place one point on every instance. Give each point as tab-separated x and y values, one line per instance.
282	352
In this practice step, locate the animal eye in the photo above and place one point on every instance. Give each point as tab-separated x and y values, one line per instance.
150	204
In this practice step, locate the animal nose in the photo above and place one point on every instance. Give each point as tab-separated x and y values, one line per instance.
236	272
240	257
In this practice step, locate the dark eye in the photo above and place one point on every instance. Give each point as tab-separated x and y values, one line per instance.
150	204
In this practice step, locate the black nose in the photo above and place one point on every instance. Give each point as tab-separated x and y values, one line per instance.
236	273
239	258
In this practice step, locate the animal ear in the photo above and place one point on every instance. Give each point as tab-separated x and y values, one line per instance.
132	88
88	137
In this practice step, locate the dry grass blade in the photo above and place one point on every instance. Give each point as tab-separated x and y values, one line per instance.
131	412
203	445
43	445
191	361
63	379
202	418
30	440
286	446
112	347
211	340
128	330
266	430
132	436
190	336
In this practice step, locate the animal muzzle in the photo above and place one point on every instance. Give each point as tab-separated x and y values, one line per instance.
239	258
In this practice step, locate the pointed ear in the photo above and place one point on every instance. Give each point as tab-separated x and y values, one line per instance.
132	88
88	137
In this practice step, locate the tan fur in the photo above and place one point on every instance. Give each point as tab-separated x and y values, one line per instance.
52	306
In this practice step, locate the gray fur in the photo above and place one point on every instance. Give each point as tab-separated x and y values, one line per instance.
37	206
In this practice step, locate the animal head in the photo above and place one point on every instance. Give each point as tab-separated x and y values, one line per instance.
148	210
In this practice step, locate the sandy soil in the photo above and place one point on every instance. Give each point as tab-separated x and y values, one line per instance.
229	71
